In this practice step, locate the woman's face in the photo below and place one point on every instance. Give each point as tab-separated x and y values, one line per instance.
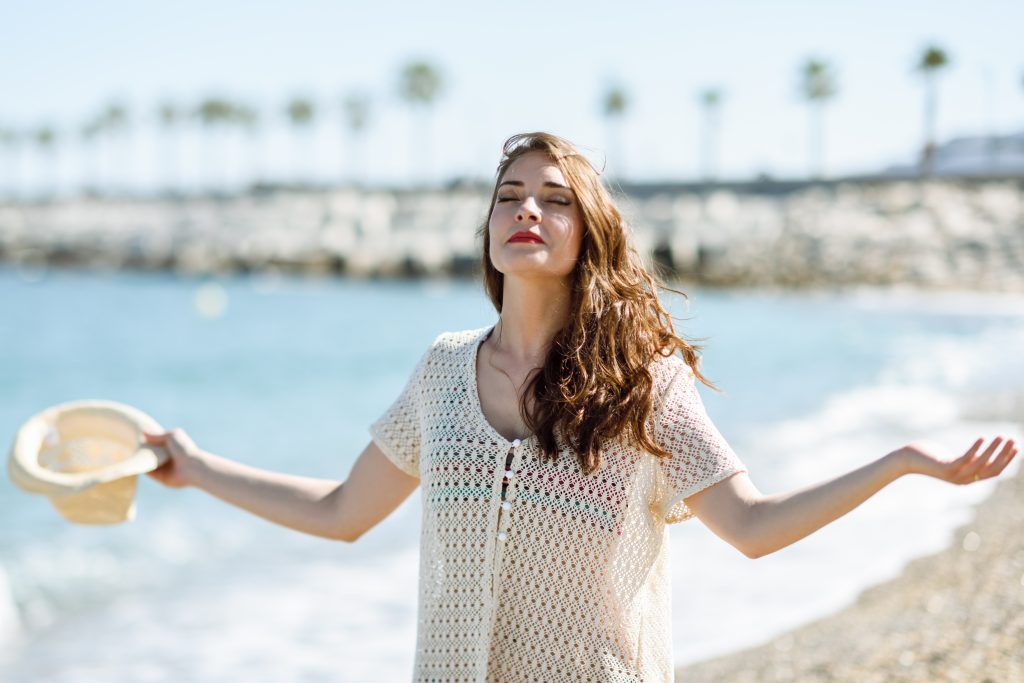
533	197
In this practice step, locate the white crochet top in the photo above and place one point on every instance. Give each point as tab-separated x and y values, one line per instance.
555	576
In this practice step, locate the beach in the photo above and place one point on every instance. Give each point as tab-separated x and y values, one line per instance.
957	615
851	376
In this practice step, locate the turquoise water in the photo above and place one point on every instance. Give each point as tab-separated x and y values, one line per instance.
287	374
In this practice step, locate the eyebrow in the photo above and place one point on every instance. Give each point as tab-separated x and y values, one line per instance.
548	183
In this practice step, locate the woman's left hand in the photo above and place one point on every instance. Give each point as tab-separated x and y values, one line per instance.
974	465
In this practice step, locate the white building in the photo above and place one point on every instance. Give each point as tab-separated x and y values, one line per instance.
999	155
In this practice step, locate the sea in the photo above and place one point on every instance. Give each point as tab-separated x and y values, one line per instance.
286	373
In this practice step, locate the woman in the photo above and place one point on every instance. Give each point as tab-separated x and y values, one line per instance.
553	448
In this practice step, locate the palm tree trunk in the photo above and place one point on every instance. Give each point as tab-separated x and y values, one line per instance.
816	141
426	147
709	145
930	108
22	182
170	161
615	163
90	166
254	142
312	157
356	171
53	171
7	182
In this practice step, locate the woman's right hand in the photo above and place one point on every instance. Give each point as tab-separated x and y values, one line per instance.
183	455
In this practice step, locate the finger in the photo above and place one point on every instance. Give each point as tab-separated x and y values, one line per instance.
992	448
961	464
966	457
977	464
1002	460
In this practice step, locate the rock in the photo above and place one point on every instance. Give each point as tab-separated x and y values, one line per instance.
933	234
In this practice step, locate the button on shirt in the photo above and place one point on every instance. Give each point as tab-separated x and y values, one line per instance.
566	579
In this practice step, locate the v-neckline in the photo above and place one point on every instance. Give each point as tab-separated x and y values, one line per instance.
475	391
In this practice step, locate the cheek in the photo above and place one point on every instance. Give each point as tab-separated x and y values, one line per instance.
572	235
568	256
499	216
578	231
493	250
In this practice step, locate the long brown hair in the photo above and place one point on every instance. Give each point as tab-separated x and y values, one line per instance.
595	384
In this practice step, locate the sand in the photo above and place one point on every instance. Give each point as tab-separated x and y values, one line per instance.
957	615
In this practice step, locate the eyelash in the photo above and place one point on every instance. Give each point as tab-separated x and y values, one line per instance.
551	201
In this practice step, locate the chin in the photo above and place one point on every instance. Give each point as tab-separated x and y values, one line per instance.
535	273
529	265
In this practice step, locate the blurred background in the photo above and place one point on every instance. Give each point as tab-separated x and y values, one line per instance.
249	220
121	98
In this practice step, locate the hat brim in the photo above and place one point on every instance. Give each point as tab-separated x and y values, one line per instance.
121	424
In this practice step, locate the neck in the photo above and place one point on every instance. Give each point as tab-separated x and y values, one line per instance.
532	313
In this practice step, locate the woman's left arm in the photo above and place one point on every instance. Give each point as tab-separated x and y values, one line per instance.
759	525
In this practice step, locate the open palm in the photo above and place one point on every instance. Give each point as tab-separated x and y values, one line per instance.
974	465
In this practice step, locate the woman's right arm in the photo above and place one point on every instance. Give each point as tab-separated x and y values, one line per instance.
321	507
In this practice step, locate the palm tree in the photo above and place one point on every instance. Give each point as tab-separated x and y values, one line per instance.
1022	79
248	120
114	124
90	135
614	106
301	113
355	108
10	140
170	118
215	114
818	85
420	84
710	101
45	139
933	60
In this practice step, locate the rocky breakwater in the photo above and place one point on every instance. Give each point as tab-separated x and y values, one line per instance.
322	232
938	233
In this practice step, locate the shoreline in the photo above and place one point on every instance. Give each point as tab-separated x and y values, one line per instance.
955	615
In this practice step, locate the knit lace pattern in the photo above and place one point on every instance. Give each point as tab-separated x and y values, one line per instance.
530	570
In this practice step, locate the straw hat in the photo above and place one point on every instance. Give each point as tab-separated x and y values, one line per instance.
85	456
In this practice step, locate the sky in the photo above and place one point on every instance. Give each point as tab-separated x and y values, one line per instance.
507	67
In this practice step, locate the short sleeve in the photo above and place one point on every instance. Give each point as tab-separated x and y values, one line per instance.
700	454
397	431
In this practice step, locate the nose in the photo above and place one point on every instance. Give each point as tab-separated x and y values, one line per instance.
528	211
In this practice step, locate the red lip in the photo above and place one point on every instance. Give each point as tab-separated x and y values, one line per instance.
524	236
